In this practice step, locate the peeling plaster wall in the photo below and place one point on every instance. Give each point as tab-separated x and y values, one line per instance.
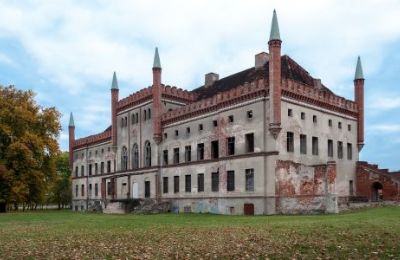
305	189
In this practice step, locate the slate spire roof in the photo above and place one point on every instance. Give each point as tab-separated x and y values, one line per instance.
71	120
275	35
359	71
114	84
156	63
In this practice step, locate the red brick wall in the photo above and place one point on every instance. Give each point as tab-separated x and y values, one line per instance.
367	175
359	99
71	132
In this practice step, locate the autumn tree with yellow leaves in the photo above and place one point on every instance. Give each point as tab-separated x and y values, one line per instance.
28	147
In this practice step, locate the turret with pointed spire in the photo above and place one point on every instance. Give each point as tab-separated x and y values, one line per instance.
114	103
71	134
359	99
274	45
156	90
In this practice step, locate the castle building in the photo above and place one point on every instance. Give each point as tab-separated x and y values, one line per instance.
270	139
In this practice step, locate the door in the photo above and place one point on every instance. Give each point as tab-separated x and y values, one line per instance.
135	190
248	209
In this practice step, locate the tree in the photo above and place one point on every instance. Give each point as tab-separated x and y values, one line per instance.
28	147
61	190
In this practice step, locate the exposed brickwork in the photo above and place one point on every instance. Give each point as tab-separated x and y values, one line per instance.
92	139
275	83
368	174
114	104
157	109
359	99
71	141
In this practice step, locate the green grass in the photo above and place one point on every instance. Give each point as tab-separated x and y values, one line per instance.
370	233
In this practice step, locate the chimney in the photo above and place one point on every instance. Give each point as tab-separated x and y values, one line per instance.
261	59
317	83
210	78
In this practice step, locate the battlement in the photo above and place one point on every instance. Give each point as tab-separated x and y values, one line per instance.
318	97
92	139
236	95
178	94
135	98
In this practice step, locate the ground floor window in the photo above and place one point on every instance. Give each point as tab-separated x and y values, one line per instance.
165	185
200	182
214	181
147	189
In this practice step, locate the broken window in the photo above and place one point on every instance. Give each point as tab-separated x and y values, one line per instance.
165	157
315	145
200	152
214	181
188	153
147	189
289	142
230	119
250	114
249	179
215	123
147	147
176	184
135	156
249	142
231	145
303	144
200	182
200	127
165	184
330	148
214	150
349	151
176	155
230	184
188	183
340	150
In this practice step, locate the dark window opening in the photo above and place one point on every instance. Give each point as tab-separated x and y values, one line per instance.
290	112
249	142
303	144
249	179
330	122
349	127
330	148
200	127
314	119
176	155
90	169
200	182
315	145
147	189
230	119
230	184
214	181
250	114
176	184
165	184
340	150
289	142
188	183
340	125
215	123
188	153
108	166
349	151
165	157
214	150
187	130
96	190
200	152
147	147
176	132
231	145
303	116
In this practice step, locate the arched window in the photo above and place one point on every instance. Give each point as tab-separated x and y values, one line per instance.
135	156
145	113
149	113
137	118
124	158
147	154
132	119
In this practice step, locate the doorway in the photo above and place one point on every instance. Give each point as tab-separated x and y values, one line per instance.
377	191
248	209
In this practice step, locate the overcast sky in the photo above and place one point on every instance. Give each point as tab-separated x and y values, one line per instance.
66	51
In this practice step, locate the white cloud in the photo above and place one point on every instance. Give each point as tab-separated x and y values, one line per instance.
7	60
385	128
385	103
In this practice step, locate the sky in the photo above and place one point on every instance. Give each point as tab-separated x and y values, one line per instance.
67	51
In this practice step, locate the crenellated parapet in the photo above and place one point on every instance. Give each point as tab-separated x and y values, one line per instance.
234	96
135	99
318	97
92	139
178	94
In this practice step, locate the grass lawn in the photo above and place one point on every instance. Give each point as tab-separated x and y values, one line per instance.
369	233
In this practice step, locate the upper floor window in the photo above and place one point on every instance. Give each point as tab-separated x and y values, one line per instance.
290	142
200	127
165	157
249	142
230	119
340	150
149	113
147	154
133	120
315	145
349	127
314	119
137	118
303	116
330	148
188	153
214	150
349	151
145	115
330	122
200	151
124	158
135	156
340	125
250	114
303	144
290	112
231	145
187	130
176	155
215	123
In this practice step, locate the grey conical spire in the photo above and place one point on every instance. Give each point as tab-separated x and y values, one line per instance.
114	84
359	71
274	28
156	63
71	120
